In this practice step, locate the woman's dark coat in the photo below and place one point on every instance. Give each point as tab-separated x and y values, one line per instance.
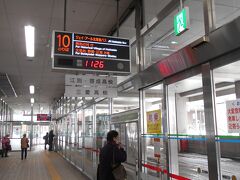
106	160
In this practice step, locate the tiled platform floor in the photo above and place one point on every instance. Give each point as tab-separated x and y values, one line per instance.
39	165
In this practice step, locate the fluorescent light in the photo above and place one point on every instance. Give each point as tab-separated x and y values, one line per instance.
32	100
31	89
29	38
41	108
162	46
165	54
174	42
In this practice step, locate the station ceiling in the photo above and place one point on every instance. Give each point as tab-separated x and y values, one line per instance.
85	16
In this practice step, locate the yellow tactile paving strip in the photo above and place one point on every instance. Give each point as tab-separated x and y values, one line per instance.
51	169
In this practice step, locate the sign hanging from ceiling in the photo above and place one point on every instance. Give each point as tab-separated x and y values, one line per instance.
90	86
181	21
91	53
43	117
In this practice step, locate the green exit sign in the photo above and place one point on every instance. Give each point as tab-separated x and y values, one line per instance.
181	21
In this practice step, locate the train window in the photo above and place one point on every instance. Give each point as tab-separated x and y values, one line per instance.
227	105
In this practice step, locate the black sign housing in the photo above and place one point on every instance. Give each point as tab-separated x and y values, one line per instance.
84	52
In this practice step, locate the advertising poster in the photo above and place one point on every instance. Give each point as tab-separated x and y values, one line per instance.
233	116
154	121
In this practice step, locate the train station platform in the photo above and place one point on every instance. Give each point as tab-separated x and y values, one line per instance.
39	165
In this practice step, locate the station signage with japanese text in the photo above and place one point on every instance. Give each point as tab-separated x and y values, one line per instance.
233	116
90	86
92	53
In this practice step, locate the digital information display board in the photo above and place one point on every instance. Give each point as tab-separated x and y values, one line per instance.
44	117
84	52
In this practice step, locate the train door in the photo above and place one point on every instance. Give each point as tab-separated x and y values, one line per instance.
126	124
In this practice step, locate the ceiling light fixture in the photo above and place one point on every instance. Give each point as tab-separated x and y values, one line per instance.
174	42
165	54
32	100
161	46
29	38
31	89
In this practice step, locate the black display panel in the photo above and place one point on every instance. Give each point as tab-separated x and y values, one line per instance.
98	65
90	52
44	117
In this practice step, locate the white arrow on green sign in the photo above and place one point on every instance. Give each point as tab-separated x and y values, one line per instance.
181	21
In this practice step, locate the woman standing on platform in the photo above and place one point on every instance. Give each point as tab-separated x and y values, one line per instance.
111	154
24	145
6	145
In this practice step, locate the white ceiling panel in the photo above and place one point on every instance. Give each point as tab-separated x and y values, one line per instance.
229	3
195	9
82	10
78	26
153	7
29	8
103	17
98	28
224	11
127	32
122	3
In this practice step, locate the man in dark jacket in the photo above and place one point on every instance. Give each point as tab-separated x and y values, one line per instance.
111	150
45	140
50	137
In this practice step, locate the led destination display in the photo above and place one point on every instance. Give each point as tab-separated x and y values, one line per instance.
85	52
43	117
